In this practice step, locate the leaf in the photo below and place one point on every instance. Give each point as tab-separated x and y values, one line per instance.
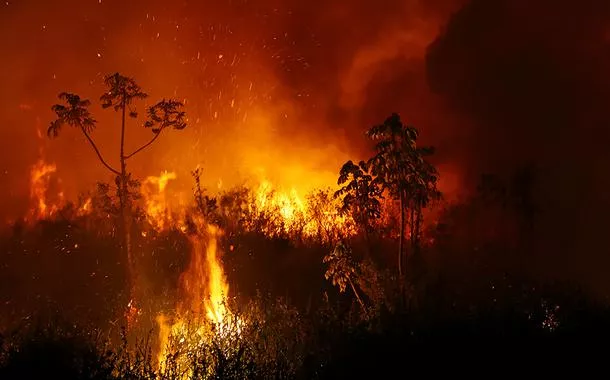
74	113
166	114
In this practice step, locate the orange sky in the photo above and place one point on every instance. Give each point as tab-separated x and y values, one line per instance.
273	89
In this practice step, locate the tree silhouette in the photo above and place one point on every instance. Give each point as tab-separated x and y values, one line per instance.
206	205
120	95
359	195
399	166
341	269
420	192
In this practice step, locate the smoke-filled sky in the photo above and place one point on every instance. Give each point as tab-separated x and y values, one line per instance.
275	89
285	89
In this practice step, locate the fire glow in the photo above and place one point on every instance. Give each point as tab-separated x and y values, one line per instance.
44	204
203	314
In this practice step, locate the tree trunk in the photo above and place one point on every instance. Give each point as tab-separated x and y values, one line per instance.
125	211
401	235
418	223
351	284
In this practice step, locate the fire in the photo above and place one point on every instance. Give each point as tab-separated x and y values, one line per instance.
85	208
314	216
215	305
43	204
155	200
203	313
287	206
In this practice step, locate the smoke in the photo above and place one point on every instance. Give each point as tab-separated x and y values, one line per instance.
285	90
531	80
282	89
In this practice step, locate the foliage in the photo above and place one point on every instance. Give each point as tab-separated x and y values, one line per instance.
360	194
122	91
166	114
75	114
400	167
205	204
341	267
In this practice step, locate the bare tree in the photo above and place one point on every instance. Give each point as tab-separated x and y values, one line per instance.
121	93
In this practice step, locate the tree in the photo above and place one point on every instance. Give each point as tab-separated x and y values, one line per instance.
341	270
359	195
120	95
420	192
400	168
206	205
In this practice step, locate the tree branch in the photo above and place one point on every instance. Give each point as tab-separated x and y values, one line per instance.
145	145
97	151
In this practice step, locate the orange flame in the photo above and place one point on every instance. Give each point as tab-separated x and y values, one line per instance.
206	291
43	205
155	200
313	217
85	208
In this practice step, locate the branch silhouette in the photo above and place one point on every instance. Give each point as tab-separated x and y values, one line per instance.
144	146
99	155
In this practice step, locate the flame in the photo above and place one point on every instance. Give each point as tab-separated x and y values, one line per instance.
155	199
291	213
203	313
215	305
85	208
43	204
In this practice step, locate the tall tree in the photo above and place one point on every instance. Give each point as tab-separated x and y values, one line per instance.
420	192
400	167
359	194
121	93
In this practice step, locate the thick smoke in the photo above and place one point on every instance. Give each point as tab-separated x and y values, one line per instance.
532	79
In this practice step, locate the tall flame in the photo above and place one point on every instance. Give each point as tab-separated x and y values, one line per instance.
206	291
215	305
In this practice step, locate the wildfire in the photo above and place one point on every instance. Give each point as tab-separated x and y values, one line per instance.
43	204
155	200
287	206
315	215
85	208
203	313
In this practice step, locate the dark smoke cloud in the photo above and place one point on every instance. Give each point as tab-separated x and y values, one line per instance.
532	77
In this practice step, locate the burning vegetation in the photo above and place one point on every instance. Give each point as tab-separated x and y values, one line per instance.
270	215
178	316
